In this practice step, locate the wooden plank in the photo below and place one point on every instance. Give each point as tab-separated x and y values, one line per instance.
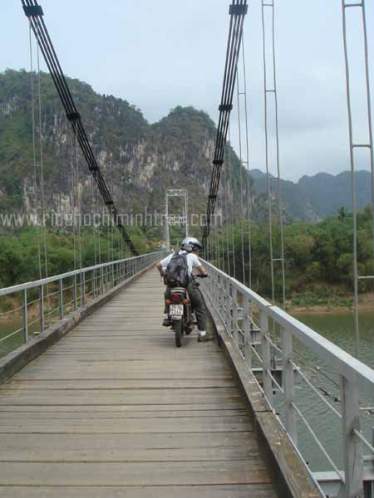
128	447
225	491
115	410
127	410
46	384
133	474
119	396
43	424
111	372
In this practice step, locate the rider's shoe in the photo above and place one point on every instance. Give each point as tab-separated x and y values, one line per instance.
166	322
202	336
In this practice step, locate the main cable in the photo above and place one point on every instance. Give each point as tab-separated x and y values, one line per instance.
237	11
34	12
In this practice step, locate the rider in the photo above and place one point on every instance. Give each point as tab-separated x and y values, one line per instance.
190	247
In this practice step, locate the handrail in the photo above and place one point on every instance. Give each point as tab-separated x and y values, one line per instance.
345	362
234	303
85	285
37	283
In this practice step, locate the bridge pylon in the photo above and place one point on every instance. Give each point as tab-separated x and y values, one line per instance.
182	193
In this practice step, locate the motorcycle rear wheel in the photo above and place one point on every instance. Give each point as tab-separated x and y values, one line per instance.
178	329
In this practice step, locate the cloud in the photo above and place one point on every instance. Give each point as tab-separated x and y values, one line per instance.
164	54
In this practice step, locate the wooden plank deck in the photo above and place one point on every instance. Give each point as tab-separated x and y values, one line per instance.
115	410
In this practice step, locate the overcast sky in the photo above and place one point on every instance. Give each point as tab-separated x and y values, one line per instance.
158	55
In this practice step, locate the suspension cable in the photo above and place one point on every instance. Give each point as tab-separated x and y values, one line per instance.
41	166
220	236
35	167
268	90
73	203
355	145
246	163
231	187
238	92
227	218
238	10
34	13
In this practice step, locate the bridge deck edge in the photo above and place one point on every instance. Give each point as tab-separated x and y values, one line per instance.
290	472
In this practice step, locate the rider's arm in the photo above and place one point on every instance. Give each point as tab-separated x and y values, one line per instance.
161	266
197	266
201	270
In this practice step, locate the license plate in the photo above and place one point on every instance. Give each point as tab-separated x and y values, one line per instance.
176	311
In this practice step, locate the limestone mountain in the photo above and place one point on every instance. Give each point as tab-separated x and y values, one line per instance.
139	160
315	197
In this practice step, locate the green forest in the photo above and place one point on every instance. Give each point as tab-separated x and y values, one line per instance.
22	253
318	255
319	259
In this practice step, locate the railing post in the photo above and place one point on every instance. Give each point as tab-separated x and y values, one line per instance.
352	451
93	277
234	313
75	292
25	316
61	299
247	330
266	357
83	288
218	285
288	383
41	307
213	283
227	305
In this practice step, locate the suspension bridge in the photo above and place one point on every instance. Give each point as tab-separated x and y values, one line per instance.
95	400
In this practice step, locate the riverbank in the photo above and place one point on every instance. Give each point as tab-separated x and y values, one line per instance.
335	305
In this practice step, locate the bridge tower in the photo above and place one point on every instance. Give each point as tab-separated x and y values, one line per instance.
182	193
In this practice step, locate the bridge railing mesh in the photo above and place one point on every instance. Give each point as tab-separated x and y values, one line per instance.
29	309
322	396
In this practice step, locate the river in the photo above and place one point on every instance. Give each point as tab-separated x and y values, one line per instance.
338	328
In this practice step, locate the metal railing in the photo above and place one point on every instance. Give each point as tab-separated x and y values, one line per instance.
289	359
34	306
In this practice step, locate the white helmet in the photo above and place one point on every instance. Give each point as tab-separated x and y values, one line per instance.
190	244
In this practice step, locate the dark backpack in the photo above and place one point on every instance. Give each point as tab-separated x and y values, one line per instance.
177	271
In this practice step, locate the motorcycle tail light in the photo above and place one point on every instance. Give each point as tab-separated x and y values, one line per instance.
176	298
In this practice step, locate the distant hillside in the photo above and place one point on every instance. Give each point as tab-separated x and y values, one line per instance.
139	160
313	198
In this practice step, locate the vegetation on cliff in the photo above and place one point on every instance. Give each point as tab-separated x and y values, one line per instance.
139	160
319	260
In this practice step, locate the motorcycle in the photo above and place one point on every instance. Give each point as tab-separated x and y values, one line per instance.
180	312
